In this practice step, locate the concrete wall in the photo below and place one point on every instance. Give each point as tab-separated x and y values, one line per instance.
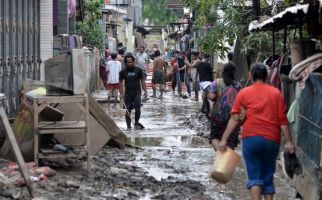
46	33
91	62
125	32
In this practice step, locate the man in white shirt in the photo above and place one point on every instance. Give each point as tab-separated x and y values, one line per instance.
142	61
113	69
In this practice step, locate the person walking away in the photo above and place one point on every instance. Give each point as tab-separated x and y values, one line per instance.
102	70
158	76
113	70
174	70
133	81
192	66
120	57
204	73
261	134
142	62
223	92
182	74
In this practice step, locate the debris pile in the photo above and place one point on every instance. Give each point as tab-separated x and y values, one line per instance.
199	123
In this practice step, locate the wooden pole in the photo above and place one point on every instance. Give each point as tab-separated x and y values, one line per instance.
285	39
273	33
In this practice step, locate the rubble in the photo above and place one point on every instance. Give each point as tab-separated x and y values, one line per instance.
199	123
111	178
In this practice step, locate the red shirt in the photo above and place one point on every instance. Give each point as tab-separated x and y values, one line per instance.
265	109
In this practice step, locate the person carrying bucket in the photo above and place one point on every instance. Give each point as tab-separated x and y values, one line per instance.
261	134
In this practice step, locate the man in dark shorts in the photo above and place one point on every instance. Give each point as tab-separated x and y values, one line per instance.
158	74
134	80
204	74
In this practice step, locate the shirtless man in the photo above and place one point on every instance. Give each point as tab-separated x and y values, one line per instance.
158	74
193	69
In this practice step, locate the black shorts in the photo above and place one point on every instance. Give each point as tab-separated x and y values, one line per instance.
133	100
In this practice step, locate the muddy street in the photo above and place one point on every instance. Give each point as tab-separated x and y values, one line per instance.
170	150
167	160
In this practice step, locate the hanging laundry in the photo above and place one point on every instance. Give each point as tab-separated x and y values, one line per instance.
72	41
71	8
302	70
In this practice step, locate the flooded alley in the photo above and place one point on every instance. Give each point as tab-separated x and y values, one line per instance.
172	152
241	77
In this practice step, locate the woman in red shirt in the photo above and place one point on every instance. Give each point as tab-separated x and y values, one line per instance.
261	134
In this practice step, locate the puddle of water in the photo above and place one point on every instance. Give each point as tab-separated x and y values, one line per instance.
157	173
167	141
146	197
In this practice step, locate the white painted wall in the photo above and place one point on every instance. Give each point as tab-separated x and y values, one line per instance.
46	33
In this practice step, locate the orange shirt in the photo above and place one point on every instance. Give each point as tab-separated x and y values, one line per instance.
265	109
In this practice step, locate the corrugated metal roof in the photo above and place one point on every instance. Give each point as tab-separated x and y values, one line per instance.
294	15
291	15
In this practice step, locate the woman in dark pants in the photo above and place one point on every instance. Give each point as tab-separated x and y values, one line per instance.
261	134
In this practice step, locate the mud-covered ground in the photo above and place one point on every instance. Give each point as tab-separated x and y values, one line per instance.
167	160
110	179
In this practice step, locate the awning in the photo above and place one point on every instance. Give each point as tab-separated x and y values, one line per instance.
293	17
113	9
142	30
290	16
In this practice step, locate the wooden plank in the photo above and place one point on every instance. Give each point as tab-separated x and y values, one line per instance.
62	131
40	108
43	125
36	131
82	154
16	150
88	138
81	107
60	99
49	150
98	135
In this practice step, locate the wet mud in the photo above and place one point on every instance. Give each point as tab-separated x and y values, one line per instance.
170	159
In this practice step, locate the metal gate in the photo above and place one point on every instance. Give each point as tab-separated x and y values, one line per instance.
309	136
19	50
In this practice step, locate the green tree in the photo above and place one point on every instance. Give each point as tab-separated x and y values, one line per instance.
260	44
224	18
89	28
229	19
158	13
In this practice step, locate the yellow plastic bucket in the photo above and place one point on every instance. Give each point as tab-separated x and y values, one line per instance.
224	165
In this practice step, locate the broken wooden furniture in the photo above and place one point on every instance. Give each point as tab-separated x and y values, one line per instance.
58	127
